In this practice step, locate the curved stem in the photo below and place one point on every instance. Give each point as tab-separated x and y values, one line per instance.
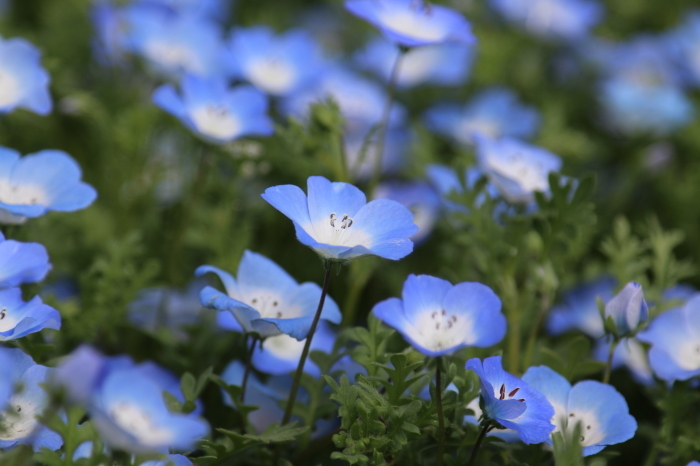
249	356
441	420
608	367
532	338
472	458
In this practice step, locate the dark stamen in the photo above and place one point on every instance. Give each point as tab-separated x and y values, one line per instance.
503	391
512	394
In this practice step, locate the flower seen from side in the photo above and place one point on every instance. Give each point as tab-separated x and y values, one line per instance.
24	83
22	262
336	220
628	309
507	435
19	318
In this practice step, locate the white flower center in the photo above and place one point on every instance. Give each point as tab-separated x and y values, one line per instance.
284	347
591	433
172	55
414	22
138	423
531	175
272	75
439	330
22	194
216	121
270	305
417	64
21	420
543	14
7	321
10	90
468	127
687	356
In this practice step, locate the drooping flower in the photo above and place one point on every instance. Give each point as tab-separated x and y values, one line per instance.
19	318
125	402
437	318
32	185
338	223
22	262
580	309
420	198
276	64
675	342
212	110
600	409
24	83
507	435
511	401
413	23
267	300
629	353
628	309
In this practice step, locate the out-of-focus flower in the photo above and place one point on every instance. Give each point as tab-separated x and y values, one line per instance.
267	300
552	19
512	402
675	342
275	64
420	198
601	411
24	83
516	168
125	402
32	185
19	318
413	23
211	109
443	64
437	318
494	112
580	309
629	353
6	383
211	9
337	222
628	309
685	44
22	262
172	460
360	164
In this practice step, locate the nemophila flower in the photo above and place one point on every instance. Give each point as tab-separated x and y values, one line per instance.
19	318
361	153
507	435
6	383
494	112
420	198
24	83
267	300
212	9
437	318
22	262
516	168
556	19
512	402
628	309
579	309
18	423
337	222
629	353
600	410
685	44
444	64
275	64
675	342
32	185
413	23
211	109
171	460
125	402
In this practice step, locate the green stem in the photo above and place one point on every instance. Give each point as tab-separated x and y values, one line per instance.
532	338
472	458
248	364
441	420
608	367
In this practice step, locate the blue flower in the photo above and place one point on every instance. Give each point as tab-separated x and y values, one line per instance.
685	44
19	318
580	309
601	411
212	9
494	112
555	19
437	318
212	110
420	198
516	168
675	342
125	402
628	309
23	81
20	425
412	23
507	435
512	402
629	353
277	65
32	185
6	383
22	263
267	300
338	223
444	64
396	144
172	460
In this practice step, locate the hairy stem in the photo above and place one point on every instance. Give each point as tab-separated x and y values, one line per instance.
472	458
441	419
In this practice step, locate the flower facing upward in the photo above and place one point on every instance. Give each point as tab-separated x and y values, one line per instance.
413	23
628	309
338	223
23	81
512	402
22	262
438	318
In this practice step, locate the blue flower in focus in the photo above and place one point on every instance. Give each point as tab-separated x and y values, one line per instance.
413	23
675	342
580	309
628	309
420	198
507	435
443	64
494	112
338	223
125	402
437	318
22	262
19	424
24	83
32	185
516	168
267	300
211	109
19	318
552	19
275	64
600	409
512	402
629	353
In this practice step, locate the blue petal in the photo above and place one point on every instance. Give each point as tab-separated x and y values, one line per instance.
326	198
306	297
214	299
226	321
167	98
76	197
423	294
256	271
296	327
508	409
389	225
292	202
480	305
226	278
22	263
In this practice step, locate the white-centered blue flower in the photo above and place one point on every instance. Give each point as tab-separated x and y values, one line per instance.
32	185
275	64
412	22
24	83
438	318
599	409
19	318
420	198
628	309
629	353
22	262
266	300
211	109
336	220
579	309
507	435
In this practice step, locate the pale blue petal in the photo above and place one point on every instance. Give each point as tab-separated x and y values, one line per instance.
480	305
167	98
22	263
423	294
226	278
256	271
214	299
385	220
326	198
307	296
292	202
